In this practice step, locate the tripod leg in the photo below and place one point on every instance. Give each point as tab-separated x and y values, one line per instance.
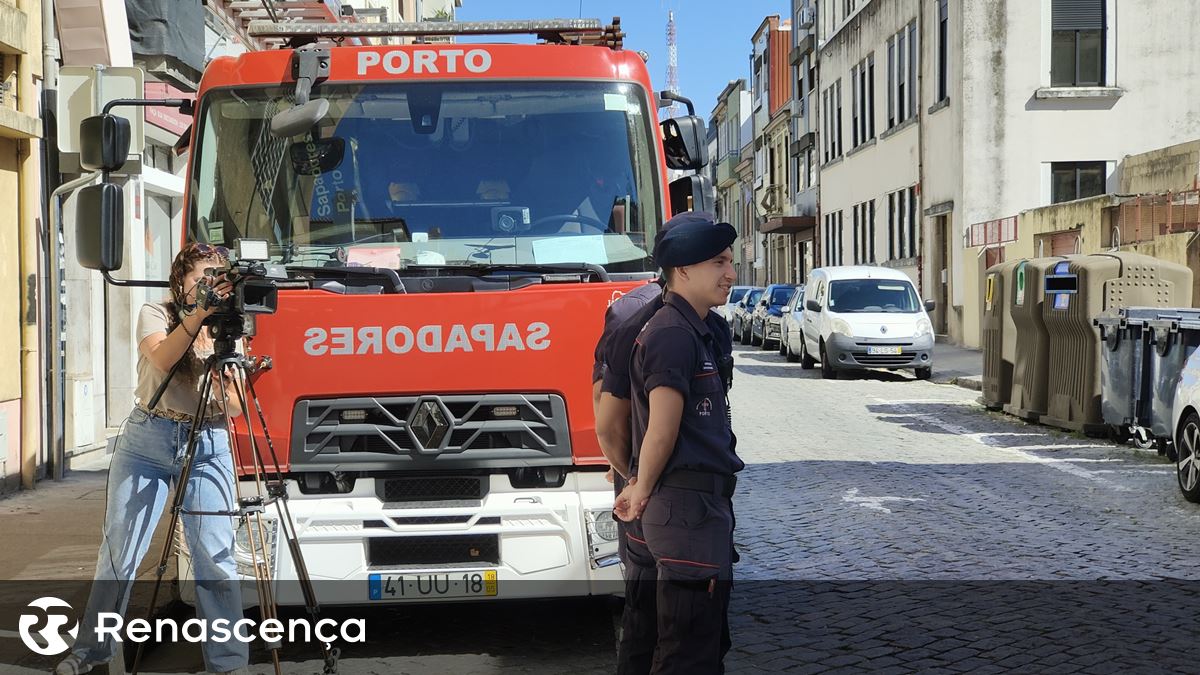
284	517
176	508
252	521
310	596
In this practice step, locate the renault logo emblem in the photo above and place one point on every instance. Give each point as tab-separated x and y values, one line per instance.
429	425
883	329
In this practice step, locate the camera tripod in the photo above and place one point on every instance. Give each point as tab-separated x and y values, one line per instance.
229	368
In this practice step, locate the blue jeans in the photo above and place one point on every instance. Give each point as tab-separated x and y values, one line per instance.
147	463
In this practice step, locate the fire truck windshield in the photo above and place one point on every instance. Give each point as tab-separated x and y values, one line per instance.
452	173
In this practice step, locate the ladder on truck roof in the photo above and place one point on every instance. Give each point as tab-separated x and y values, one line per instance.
555	31
235	16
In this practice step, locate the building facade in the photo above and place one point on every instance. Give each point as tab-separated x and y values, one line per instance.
22	456
942	120
730	114
869	137
803	150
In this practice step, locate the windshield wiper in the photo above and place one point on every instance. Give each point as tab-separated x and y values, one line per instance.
544	269
388	275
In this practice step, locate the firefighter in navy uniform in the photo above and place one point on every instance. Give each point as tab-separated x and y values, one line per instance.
684	458
622	323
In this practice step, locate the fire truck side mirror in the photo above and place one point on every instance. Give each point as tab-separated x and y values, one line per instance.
103	143
100	227
685	143
691	193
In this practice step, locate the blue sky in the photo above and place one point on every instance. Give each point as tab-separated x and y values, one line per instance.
712	36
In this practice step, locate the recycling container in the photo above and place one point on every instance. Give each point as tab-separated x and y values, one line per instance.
1076	291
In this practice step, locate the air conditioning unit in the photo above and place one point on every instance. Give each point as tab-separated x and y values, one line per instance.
808	16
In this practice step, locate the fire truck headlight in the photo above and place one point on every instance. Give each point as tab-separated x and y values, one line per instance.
602	525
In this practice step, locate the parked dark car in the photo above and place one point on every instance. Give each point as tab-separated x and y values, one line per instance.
740	324
765	319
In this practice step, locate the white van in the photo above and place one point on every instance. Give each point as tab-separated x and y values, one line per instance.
865	317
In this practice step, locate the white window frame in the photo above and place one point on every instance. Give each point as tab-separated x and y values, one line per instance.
1110	42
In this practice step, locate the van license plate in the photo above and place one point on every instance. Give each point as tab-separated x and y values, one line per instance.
883	350
427	585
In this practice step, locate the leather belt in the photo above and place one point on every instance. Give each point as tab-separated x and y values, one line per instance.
174	416
701	481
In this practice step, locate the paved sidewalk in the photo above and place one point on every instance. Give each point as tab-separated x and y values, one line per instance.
957	365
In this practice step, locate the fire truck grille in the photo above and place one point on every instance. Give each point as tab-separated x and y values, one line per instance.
428	432
438	489
435	550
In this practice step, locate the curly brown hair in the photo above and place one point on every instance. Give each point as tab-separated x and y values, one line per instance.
183	263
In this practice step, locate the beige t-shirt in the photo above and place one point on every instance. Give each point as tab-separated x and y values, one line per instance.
183	393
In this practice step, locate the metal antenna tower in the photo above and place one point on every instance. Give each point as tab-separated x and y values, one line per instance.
672	65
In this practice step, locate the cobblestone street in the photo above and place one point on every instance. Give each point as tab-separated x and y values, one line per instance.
884	525
983	541
891	525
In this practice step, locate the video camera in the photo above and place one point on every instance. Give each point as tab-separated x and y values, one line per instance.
254	290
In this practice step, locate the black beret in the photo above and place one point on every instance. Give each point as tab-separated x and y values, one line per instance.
691	237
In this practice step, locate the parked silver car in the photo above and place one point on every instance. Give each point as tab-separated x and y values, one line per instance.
790	332
740	324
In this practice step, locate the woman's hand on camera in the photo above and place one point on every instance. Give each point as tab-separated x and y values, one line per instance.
223	289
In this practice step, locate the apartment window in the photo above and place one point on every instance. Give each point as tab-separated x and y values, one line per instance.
857	226
771	166
758	78
833	238
785	161
903	234
812	168
863	218
902	75
825	135
913	230
912	69
943	73
871	230
1076	180
892	226
891	50
1077	43
862	79
855	139
831	113
837	117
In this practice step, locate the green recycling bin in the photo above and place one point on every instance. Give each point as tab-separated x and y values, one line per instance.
1031	342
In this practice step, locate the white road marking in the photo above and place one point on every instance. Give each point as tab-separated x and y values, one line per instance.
875	503
1065	467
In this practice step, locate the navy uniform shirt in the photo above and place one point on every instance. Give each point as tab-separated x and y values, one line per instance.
618	346
678	349
618	313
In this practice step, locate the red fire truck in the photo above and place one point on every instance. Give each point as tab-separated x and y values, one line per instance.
451	221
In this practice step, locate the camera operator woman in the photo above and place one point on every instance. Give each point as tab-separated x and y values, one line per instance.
147	463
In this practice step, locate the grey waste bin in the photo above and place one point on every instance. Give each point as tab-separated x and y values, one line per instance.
1031	343
1174	339
1078	290
999	335
1125	367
